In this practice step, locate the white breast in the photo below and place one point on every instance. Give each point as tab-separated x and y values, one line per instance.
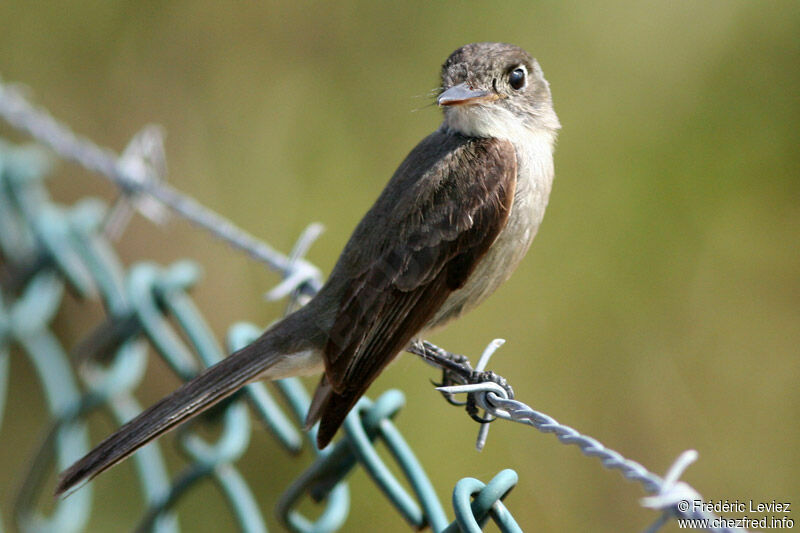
534	149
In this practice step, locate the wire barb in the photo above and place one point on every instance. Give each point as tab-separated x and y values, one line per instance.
145	160
300	271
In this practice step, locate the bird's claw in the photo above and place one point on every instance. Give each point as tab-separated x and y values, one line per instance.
472	410
472	402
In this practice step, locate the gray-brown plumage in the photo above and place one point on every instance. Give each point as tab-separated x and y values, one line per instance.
450	226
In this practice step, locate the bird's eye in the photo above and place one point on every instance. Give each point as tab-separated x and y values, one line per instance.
516	78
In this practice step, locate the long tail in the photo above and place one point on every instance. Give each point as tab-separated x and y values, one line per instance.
209	387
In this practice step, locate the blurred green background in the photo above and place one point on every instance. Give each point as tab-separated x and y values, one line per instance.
658	310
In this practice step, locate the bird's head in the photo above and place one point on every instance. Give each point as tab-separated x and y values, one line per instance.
495	90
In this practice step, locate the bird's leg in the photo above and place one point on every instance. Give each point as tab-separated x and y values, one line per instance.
457	365
455	368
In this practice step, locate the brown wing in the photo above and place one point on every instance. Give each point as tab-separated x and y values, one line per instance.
438	221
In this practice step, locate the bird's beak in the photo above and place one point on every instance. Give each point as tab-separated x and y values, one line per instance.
462	94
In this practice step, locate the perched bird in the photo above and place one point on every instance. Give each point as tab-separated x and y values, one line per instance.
451	225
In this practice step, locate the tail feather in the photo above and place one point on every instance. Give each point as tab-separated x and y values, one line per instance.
208	388
335	409
329	408
318	402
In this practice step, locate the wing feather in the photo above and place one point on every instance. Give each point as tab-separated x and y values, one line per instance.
434	225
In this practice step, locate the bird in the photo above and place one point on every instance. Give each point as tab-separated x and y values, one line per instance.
450	226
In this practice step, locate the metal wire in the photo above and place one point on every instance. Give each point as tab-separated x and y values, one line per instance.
669	493
45	247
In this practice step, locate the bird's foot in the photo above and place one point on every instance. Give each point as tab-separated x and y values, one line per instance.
456	368
472	403
458	376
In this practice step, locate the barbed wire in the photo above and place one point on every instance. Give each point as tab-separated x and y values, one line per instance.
141	301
